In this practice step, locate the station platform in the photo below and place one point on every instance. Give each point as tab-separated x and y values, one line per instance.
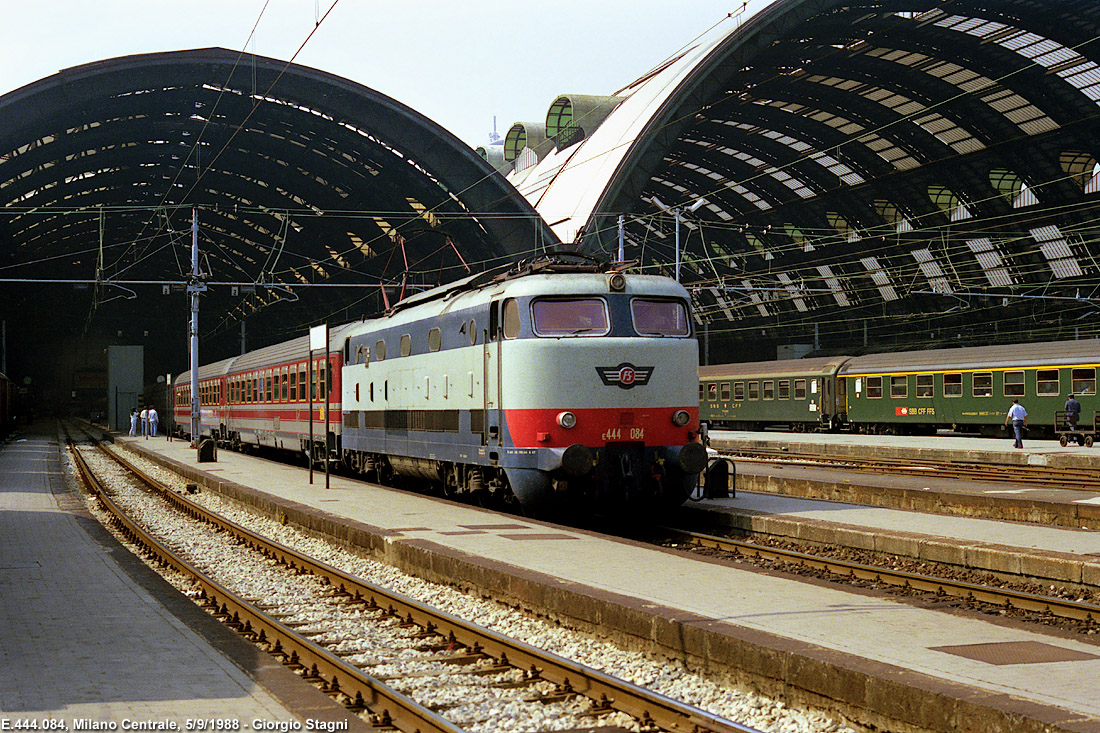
944	445
803	641
1063	506
91	636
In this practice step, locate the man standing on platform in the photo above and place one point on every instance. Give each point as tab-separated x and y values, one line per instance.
1017	416
153	417
1073	414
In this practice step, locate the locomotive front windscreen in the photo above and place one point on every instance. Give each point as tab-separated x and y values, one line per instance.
660	317
572	317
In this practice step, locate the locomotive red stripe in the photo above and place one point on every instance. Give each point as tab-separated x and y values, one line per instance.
538	428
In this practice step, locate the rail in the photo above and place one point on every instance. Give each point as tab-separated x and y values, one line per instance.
654	711
1041	476
1006	598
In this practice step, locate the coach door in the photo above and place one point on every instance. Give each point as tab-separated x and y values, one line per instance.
492	392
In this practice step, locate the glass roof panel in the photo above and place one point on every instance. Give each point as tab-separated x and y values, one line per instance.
880	278
793	290
991	262
833	283
932	271
1057	251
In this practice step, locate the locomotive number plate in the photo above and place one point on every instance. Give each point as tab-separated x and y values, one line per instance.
623	434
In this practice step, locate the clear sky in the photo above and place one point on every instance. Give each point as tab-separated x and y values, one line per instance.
459	62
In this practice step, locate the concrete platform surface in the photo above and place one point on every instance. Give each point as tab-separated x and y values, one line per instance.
813	641
89	633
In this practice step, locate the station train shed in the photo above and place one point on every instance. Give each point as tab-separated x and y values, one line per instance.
843	176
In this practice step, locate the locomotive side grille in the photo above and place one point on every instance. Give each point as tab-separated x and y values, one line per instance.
432	421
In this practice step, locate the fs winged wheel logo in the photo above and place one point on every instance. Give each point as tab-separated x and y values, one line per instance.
626	375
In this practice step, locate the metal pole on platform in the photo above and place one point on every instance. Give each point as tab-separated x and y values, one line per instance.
195	288
309	370
328	391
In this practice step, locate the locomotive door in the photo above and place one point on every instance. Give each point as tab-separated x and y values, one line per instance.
491	422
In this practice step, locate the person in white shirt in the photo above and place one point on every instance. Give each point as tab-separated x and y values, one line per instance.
1017	416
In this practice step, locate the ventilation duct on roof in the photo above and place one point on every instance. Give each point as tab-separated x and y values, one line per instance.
495	155
525	144
573	117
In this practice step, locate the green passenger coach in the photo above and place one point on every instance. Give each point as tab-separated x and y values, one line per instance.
970	389
966	389
800	393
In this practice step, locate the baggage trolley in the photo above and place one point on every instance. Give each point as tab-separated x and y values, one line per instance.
1083	435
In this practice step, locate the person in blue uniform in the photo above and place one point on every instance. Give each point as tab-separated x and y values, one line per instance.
1073	414
1017	417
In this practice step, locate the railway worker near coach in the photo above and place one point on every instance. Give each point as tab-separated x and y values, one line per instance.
1017	416
1073	414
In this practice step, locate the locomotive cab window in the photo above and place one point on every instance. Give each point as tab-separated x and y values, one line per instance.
1014	384
952	385
569	317
899	387
983	384
926	385
659	317
1083	381
874	388
1046	382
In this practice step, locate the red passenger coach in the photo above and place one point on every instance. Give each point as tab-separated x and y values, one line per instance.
262	398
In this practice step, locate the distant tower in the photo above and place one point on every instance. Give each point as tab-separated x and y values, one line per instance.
494	138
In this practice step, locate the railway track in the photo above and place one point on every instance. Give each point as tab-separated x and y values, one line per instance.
441	640
1087	614
1039	476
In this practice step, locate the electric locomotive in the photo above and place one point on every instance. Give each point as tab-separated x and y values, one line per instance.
557	384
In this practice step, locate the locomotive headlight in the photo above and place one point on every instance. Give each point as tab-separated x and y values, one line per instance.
680	418
567	420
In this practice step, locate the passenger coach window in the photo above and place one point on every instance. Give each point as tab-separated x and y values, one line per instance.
769	390
1014	384
952	385
926	385
576	317
712	391
983	384
725	391
784	389
899	387
754	390
659	317
874	388
738	391
800	389
1046	382
1083	381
